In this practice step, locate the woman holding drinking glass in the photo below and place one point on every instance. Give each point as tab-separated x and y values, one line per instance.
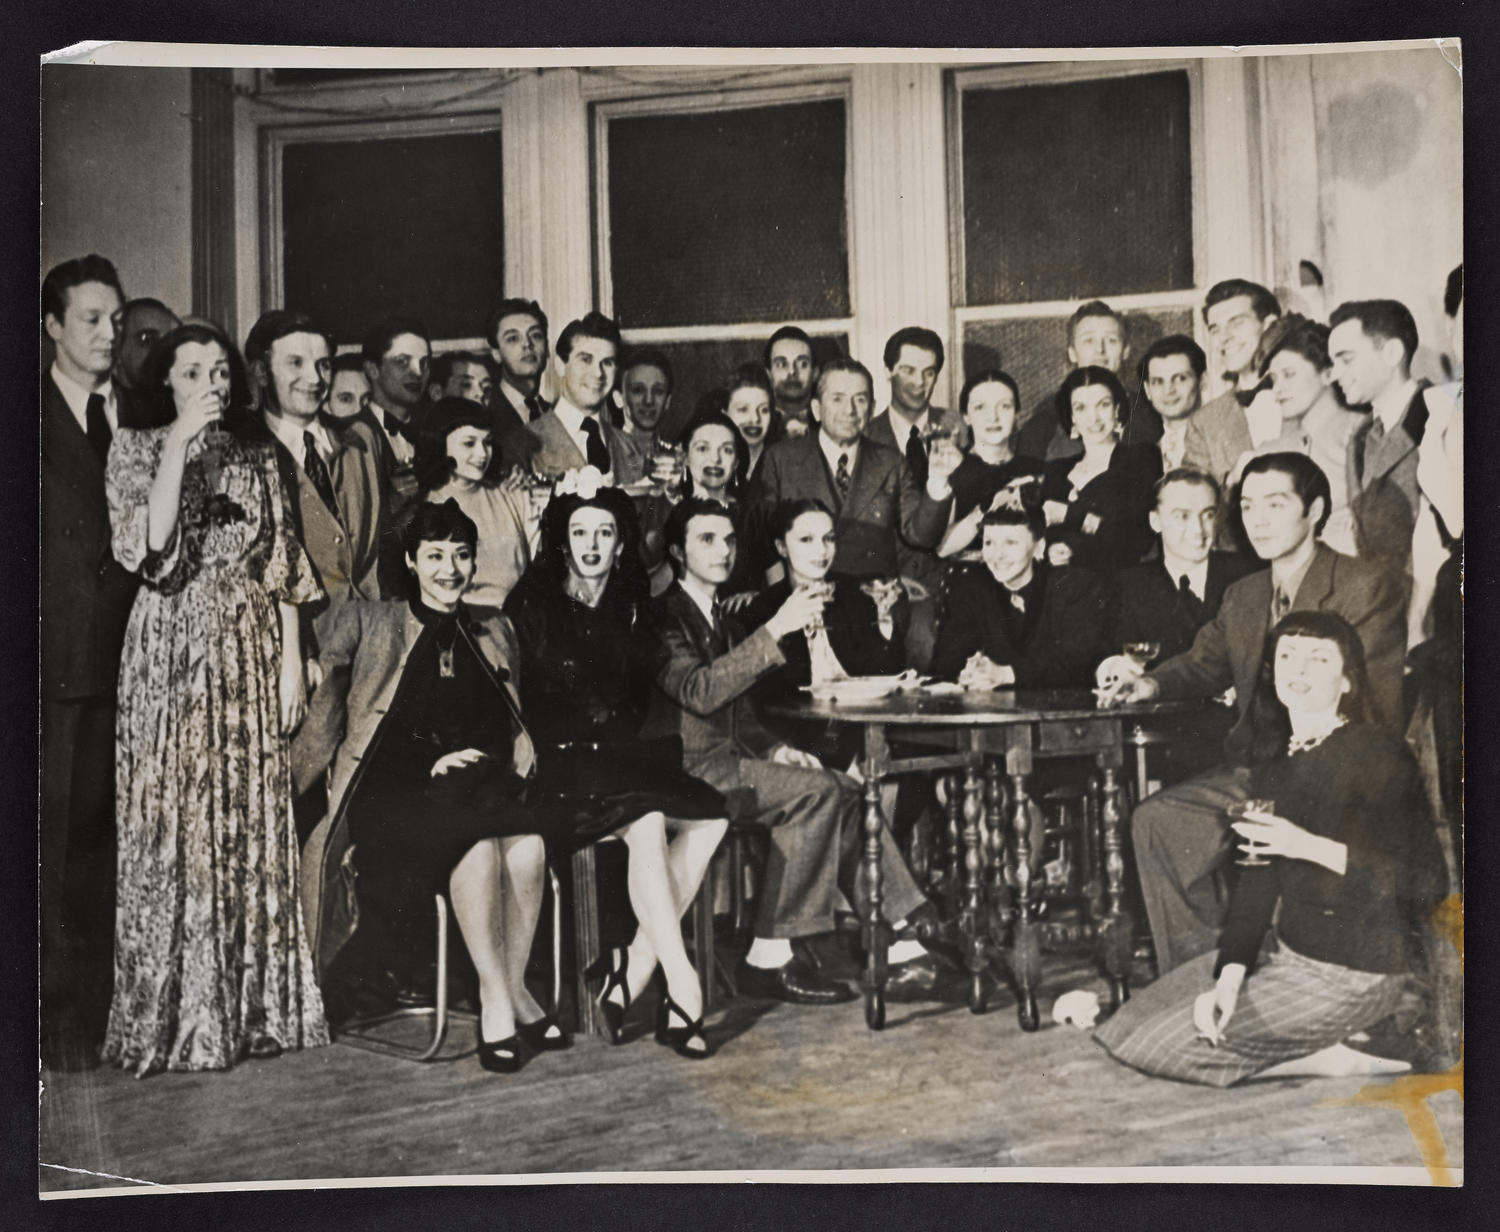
1341	867
212	963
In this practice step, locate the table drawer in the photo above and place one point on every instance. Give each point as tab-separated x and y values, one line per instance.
1077	735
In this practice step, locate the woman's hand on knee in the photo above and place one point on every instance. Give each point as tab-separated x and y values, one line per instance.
1214	1008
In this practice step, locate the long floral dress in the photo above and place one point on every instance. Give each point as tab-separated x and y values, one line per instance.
212	962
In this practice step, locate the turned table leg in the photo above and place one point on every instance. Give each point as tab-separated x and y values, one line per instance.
872	926
970	919
1026	941
1117	930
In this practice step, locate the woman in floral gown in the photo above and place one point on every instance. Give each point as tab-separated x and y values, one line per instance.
211	960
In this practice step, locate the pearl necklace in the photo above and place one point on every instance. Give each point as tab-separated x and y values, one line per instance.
1301	744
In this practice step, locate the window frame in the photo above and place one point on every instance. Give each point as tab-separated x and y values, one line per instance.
959	81
694	100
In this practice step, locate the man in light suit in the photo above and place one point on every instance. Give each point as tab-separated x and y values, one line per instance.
877	502
85	602
813	813
1371	343
577	432
1181	834
1237	313
330	470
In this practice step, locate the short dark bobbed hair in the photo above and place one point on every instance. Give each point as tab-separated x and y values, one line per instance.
990	376
434	522
1082	378
431	464
161	408
1270	725
789	511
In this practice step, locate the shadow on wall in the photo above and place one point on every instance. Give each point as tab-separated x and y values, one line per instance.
1375	133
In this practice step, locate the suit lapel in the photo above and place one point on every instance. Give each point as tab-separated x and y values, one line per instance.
1317	582
1246	623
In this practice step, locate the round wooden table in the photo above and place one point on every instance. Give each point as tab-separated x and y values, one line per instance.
977	733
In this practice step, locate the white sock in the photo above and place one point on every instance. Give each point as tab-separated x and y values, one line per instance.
769	952
904	951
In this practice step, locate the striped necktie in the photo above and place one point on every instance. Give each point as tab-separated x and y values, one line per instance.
842	478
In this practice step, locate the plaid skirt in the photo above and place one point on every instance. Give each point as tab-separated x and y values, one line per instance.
1289	1007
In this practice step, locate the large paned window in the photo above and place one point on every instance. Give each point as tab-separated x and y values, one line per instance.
1071	183
369	219
719	220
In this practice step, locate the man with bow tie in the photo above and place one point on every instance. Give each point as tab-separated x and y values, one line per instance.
397	356
1237	312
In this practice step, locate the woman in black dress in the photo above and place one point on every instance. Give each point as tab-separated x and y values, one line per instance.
1348	868
589	656
863	629
427	783
1098	506
988	403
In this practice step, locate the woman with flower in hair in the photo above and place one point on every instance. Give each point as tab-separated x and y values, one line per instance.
589	655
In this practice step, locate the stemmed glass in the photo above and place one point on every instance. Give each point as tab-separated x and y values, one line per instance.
1248	854
666	467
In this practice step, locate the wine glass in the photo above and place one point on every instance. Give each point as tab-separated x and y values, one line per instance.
1248	853
666	467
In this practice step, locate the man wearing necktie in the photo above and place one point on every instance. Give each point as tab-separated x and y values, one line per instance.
1371	343
1167	600
85	603
1181	834
397	356
331	471
518	337
1237	312
576	432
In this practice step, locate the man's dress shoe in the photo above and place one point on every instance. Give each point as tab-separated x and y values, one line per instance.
796	982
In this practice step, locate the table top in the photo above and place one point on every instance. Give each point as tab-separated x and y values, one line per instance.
974	708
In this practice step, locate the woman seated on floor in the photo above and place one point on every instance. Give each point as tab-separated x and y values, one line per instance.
589	656
1015	620
988	403
427	784
1318	937
862	633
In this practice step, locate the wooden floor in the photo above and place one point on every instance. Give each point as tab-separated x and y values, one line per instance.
790	1088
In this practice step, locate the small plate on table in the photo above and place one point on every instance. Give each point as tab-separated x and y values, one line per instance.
858	688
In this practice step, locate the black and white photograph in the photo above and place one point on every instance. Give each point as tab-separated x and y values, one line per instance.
714	615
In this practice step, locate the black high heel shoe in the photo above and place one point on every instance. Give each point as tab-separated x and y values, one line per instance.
501	1057
545	1034
678	1038
613	1011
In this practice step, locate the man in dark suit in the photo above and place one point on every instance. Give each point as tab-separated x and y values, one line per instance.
85	603
1181	834
330	470
397	357
1371	343
813	813
517	334
349	388
1167	600
577	432
789	359
138	324
876	500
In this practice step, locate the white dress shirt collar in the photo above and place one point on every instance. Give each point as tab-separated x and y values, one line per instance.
572	417
902	427
832	450
290	433
77	398
1392	404
702	600
1197	576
